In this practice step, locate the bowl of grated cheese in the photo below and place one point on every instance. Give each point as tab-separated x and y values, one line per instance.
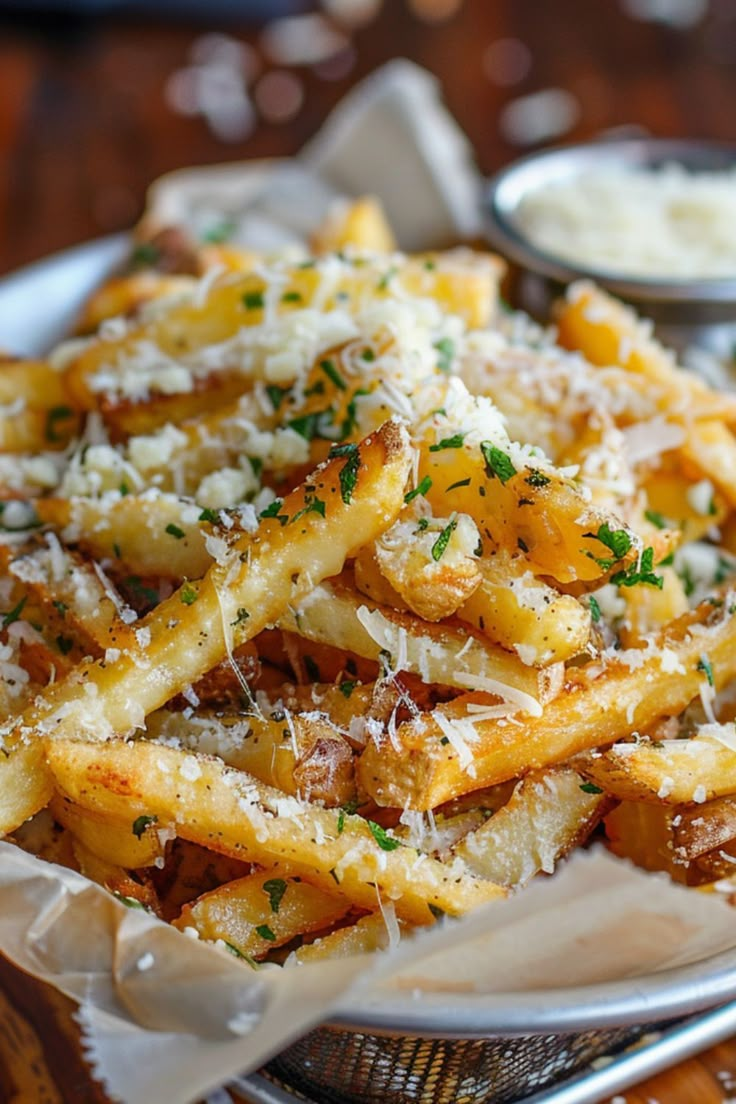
651	220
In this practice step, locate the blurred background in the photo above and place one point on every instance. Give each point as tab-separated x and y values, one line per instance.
99	97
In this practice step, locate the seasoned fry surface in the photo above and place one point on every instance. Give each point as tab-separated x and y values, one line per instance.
333	599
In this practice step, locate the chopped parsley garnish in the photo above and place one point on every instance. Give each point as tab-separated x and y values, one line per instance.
210	515
265	933
220	232
253	300
129	902
64	644
349	473
145	253
590	788
440	545
340	822
56	414
536	478
686	578
422	524
656	519
147	593
188	594
456	441
498	463
239	954
420	489
276	394
384	841
124	490
642	573
312	668
275	888
329	369
292	297
141	823
446	349
368	355
350	421
242	617
724	569
272	510
312	506
346	687
704	665
116	550
617	540
436	911
595	609
175	531
60	607
386	279
14	614
459	483
307	425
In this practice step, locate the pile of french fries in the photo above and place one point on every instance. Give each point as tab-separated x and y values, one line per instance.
336	598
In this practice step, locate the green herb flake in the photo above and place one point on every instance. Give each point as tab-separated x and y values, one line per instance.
129	902
440	545
347	686
498	463
341	822
536	478
276	394
124	490
386	279
329	369
312	506
642	573
705	665
368	355
349	476
436	911
220	232
175	531
265	933
275	888
422	525
595	609
116	550
657	519
273	509
253	300
617	540
384	841
188	594
55	415
590	788
242	617
141	823
64	644
233	950
292	297
145	254
459	483
60	607
446	349
420	489
210	516
14	614
456	441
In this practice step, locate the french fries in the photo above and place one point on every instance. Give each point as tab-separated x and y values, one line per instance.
328	608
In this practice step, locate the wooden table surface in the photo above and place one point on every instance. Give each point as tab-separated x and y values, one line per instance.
86	123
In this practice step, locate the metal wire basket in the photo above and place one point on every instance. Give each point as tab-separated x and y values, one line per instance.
490	1049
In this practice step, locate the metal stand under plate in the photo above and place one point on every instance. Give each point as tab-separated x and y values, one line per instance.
675	1044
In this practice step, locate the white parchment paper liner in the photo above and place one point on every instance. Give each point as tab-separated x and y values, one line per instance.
166	1018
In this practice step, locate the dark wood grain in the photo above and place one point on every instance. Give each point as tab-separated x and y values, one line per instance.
85	126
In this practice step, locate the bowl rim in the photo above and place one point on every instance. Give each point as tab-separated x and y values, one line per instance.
507	236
